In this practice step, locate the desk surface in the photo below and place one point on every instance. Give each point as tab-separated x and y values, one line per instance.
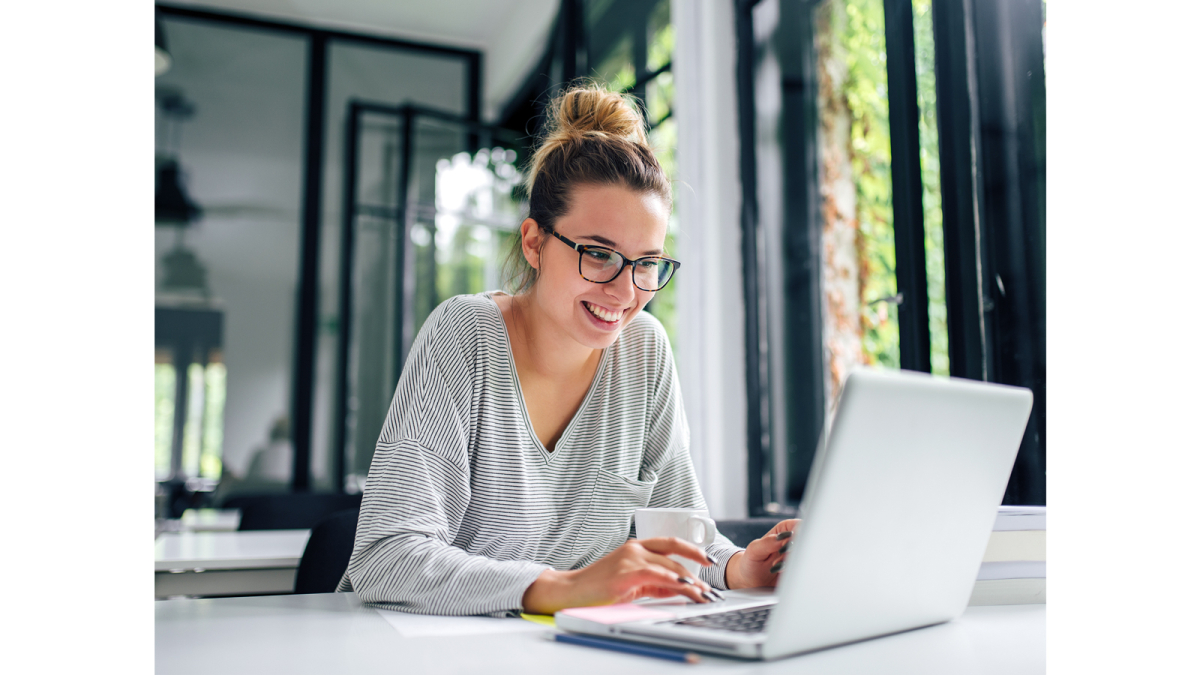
229	550
334	633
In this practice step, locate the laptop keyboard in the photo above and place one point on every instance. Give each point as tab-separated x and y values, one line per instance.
749	620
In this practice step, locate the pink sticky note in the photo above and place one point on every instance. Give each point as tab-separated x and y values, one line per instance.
617	613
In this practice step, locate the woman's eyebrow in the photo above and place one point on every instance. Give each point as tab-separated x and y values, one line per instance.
605	241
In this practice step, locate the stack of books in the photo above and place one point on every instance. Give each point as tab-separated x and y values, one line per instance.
1014	565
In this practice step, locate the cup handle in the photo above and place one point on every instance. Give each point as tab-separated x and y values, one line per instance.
709	527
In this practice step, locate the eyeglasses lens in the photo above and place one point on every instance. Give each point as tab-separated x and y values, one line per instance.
651	274
599	266
603	266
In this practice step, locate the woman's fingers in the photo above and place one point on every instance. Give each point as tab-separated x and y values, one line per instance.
678	570
776	542
785	526
676	546
653	577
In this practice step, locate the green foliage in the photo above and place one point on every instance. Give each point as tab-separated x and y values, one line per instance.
164	418
191	427
935	266
861	41
662	42
214	420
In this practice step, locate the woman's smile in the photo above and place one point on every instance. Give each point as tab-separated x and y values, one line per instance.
608	319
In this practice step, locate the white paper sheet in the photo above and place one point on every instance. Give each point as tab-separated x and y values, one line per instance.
1010	518
423	625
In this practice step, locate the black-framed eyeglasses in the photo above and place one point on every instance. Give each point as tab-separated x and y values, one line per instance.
601	265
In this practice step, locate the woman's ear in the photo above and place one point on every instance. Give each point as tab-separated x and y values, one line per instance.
531	242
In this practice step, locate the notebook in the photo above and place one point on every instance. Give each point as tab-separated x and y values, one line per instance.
861	565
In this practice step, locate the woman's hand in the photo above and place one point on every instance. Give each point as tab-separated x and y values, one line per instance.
760	563
639	568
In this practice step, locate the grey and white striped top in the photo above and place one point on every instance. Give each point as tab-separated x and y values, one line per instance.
464	507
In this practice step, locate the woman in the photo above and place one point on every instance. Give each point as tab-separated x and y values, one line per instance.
527	428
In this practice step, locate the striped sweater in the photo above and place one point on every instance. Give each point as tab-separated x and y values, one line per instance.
464	507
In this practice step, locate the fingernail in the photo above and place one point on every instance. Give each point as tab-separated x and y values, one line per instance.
711	559
776	567
784	548
783	535
686	580
716	593
708	595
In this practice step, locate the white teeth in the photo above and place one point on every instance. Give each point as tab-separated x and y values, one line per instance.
601	313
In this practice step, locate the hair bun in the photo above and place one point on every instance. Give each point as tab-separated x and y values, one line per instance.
590	136
591	109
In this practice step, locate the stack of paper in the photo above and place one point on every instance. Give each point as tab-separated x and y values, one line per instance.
1014	565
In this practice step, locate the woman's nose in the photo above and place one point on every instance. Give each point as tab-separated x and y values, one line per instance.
622	288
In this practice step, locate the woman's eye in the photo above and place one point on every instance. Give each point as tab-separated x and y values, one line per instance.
648	264
598	256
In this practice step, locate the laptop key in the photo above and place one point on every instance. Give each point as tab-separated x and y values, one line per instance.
750	620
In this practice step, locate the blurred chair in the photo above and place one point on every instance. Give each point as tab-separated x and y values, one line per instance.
290	511
327	553
742	532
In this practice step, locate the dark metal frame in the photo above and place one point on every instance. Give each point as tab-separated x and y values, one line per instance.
991	122
908	213
758	408
958	145
804	361
776	474
991	127
1010	83
304	357
406	116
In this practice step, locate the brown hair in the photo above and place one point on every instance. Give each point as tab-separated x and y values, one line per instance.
591	137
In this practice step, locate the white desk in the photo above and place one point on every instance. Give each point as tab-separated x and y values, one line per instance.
227	563
334	633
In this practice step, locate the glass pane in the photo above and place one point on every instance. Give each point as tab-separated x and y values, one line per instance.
859	261
164	413
616	68
214	417
195	420
241	156
389	77
462	214
935	266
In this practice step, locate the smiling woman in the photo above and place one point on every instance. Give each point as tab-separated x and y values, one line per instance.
526	429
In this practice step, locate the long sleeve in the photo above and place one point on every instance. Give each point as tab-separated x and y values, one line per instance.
417	493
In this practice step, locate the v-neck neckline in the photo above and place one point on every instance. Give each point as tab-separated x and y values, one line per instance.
547	455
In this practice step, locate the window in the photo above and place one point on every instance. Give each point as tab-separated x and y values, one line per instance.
895	174
262	157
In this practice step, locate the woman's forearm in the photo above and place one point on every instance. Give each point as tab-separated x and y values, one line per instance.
548	593
420	574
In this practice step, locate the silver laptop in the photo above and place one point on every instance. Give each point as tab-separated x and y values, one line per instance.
898	509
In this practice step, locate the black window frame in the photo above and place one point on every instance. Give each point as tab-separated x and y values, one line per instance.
314	148
989	68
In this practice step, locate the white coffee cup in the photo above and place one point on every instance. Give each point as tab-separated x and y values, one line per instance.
691	525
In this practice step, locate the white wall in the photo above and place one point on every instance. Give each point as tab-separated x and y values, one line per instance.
710	350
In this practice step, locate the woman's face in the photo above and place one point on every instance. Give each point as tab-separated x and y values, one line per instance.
631	223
